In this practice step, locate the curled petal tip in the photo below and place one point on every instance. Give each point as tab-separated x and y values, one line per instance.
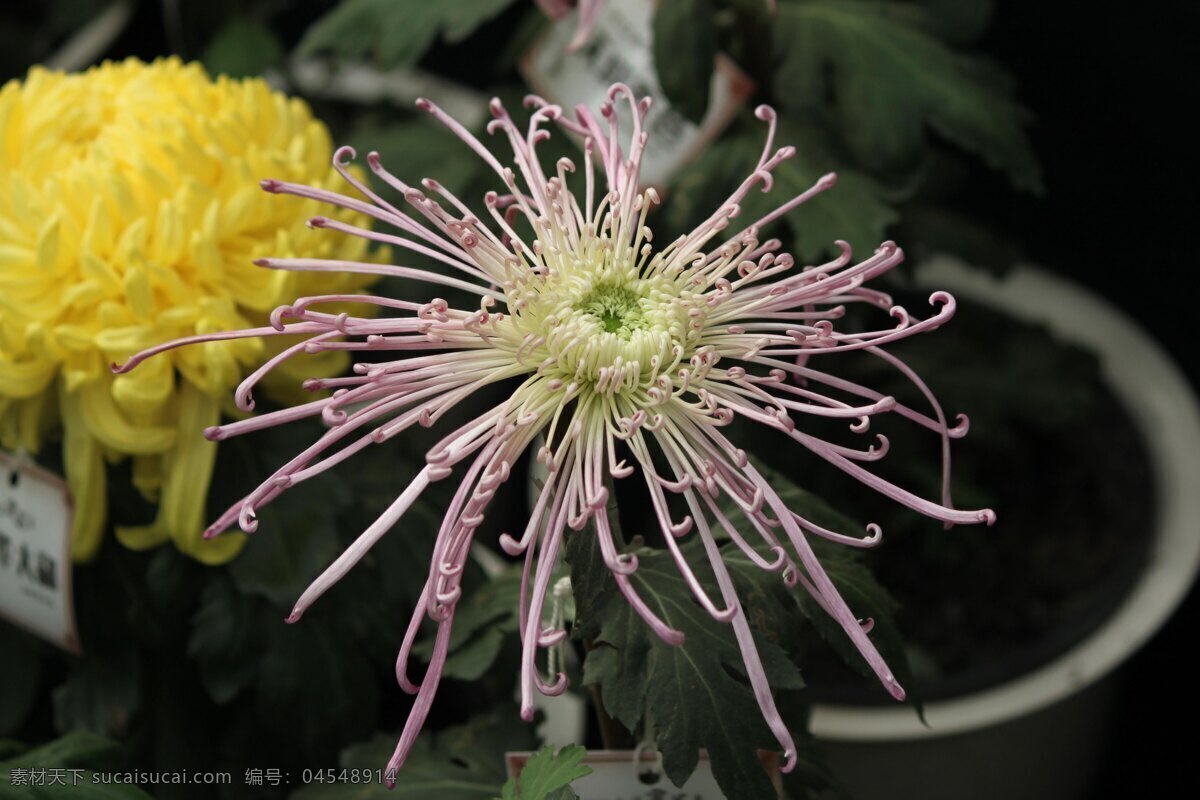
987	516
423	103
261	262
294	617
270	185
214	433
673	637
789	761
117	369
510	545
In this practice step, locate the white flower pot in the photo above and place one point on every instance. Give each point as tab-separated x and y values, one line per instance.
1041	734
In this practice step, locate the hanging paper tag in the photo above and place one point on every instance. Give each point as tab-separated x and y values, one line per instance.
621	50
638	775
35	552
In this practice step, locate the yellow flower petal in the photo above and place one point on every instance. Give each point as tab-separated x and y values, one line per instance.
85	477
189	470
130	215
111	426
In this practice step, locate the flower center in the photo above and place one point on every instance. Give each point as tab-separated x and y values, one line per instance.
617	308
600	322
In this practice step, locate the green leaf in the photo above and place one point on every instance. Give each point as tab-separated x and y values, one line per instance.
71	758
465	762
242	48
890	79
397	32
691	694
685	50
462	18
547	775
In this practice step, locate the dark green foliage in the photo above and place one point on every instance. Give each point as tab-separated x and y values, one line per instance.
242	48
547	775
685	46
465	762
883	79
67	770
396	32
687	697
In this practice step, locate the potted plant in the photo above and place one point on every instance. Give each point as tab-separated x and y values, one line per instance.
1053	713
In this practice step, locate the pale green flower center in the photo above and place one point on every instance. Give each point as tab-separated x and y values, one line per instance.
617	308
601	321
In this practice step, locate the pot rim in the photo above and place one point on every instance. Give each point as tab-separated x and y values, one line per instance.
1169	420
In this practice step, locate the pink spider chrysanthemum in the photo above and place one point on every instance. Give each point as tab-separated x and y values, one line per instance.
619	351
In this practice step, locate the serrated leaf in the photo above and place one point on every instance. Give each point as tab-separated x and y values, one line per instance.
890	80
397	32
242	48
690	692
465	762
547	775
685	50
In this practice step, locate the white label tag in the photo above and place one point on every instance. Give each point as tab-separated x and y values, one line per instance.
621	50
35	552
630	775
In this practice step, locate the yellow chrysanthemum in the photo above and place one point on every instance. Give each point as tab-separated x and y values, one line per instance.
131	213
